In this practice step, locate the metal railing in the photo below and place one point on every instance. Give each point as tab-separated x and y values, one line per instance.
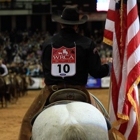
12	7
35	6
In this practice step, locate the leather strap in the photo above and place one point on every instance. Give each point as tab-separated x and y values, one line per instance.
54	88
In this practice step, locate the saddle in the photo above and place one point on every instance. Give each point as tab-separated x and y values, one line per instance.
68	94
64	96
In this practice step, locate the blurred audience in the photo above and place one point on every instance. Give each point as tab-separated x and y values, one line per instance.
22	50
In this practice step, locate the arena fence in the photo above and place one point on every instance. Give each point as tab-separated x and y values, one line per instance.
91	83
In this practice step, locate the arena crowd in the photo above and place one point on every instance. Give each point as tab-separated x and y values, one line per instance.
21	51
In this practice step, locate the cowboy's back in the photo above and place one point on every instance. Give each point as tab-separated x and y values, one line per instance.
82	54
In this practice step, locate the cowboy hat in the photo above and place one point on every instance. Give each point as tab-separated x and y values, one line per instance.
70	16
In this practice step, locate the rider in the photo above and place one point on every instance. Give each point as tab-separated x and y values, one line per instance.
3	68
67	59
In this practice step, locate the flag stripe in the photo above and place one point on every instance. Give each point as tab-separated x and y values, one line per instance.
133	42
131	5
122	29
111	15
133	30
115	95
134	61
131	127
132	18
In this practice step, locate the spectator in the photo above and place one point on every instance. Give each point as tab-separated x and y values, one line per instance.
17	58
3	68
36	70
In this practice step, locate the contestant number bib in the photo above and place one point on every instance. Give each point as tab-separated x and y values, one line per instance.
63	61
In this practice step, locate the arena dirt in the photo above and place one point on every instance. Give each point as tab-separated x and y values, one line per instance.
11	117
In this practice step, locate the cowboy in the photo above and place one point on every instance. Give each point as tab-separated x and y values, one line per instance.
67	59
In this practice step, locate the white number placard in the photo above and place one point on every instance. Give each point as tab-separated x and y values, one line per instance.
63	61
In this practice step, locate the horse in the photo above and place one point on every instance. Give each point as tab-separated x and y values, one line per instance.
70	120
23	83
6	90
3	92
13	88
28	81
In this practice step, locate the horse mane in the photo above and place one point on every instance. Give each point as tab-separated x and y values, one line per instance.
74	132
78	132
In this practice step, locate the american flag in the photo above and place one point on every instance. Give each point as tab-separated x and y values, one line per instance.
123	34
